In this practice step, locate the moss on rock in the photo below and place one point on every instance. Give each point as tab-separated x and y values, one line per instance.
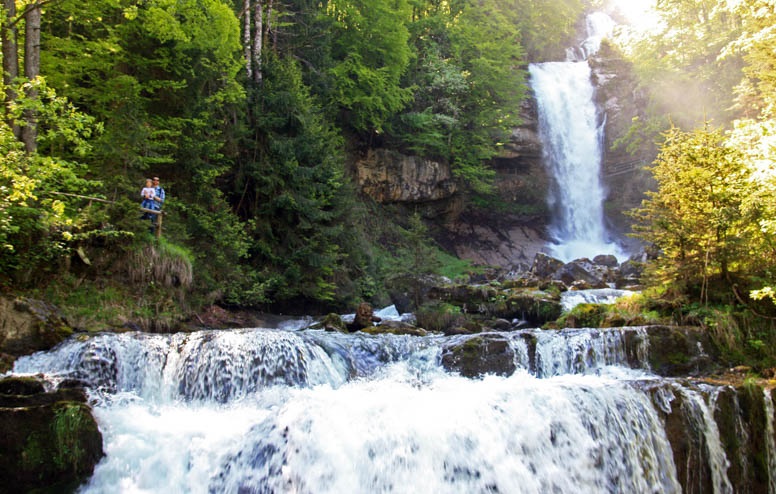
47	440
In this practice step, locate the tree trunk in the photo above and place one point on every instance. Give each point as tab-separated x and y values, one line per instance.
10	59
31	71
247	38
258	33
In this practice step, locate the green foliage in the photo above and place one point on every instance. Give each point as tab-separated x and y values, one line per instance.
696	218
294	196
39	204
468	82
371	53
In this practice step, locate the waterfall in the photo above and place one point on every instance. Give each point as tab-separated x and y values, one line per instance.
309	411
572	134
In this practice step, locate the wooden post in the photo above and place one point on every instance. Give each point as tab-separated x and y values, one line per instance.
158	222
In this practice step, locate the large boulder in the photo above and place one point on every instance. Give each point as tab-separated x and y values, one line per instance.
675	351
585	272
544	266
408	291
48	441
28	325
482	354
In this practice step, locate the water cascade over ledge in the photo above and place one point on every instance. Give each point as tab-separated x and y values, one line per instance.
571	131
308	411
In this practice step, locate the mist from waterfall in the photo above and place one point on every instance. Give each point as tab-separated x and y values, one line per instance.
571	131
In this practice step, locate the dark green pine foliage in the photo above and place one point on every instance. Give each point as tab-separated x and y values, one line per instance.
290	190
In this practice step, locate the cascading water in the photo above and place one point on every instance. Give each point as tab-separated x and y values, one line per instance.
572	134
308	411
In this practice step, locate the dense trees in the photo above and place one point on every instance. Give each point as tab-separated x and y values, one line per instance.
711	216
245	109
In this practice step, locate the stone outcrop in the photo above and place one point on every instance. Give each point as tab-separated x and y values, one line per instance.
740	413
682	351
29	325
48	440
388	176
620	100
479	355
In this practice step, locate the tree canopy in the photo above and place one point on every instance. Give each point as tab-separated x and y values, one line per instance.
249	111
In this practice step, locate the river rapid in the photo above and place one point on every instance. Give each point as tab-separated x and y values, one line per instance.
307	411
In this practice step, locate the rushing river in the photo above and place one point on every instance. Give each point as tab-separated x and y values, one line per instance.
308	411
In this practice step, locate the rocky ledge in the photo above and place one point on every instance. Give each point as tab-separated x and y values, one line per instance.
49	441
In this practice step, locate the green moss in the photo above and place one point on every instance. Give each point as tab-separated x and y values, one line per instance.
71	423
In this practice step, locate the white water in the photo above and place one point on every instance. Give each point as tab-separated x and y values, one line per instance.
259	411
572	136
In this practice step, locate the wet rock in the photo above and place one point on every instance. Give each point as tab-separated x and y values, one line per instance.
28	325
583	270
480	355
607	260
675	351
683	426
408	292
395	327
331	322
742	420
545	266
364	318
629	274
49	441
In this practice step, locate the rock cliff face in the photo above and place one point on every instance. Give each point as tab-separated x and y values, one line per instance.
513	233
620	101
388	176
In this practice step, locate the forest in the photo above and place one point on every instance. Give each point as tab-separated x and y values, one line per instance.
251	112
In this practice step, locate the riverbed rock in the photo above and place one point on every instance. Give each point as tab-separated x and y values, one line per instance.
676	351
395	327
409	291
590	274
544	266
28	325
495	301
479	355
48	440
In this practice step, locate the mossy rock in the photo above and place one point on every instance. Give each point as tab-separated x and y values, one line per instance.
681	351
28	325
397	328
331	322
585	316
480	355
48	440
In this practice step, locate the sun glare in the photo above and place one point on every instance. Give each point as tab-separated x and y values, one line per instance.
640	14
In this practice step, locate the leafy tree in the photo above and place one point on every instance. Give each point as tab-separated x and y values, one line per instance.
40	207
371	52
696	217
469	84
755	42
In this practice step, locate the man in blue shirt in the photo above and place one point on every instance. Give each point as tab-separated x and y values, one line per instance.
158	195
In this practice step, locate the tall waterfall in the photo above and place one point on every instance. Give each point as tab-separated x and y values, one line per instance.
571	131
308	411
